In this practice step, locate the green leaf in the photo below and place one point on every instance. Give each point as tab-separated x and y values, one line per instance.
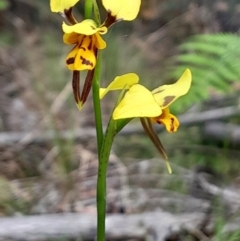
214	62
121	123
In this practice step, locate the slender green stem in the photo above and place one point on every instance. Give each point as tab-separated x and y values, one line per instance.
96	84
104	142
97	104
88	9
101	182
112	129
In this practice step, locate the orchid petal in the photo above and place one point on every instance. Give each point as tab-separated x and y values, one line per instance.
61	5
169	120
82	57
70	38
137	102
122	9
86	27
100	43
167	94
120	82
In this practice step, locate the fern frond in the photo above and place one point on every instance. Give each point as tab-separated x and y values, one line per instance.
214	60
210	48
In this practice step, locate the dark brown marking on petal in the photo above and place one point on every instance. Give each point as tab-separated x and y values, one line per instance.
90	46
95	50
80	43
159	91
110	20
70	61
90	43
168	99
84	49
172	125
102	31
86	62
159	122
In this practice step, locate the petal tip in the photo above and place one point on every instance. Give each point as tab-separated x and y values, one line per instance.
80	105
168	167
187	73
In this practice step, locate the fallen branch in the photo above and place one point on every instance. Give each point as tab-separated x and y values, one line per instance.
224	132
230	197
10	138
157	224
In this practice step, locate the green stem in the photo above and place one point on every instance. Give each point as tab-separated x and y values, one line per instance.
88	9
96	84
97	104
104	144
101	182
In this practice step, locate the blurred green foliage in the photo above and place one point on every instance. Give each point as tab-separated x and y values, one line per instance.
3	4
214	62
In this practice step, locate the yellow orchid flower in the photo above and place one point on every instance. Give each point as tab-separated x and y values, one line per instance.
87	40
60	6
86	37
150	106
140	102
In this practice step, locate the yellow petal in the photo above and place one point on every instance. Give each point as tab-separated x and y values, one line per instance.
137	102
86	27
167	94
61	5
120	82
82	57
122	9
166	118
85	60
70	38
100	43
70	60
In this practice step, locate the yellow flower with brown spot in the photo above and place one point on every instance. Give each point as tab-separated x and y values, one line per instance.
140	102
87	40
150	106
86	37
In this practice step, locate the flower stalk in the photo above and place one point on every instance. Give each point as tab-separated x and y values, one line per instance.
88	9
97	104
104	148
101	180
